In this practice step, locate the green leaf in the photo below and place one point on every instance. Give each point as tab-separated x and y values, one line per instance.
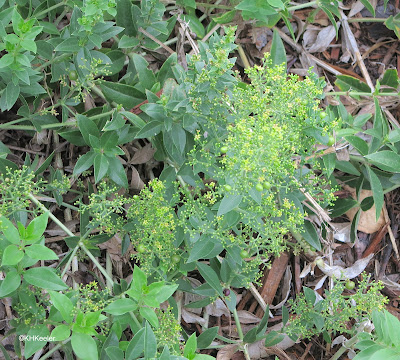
273	338
36	228
11	94
114	353
139	281
84	346
70	44
368	6
100	167
310	235
390	78
385	160
203	248
359	144
329	163
116	172
150	315
150	342
121	306
342	206
6	60
12	255
84	162
278	53
136	346
125	95
61	332
127	42
150	129
210	277
347	167
9	230
377	191
228	203
393	325
146	76
44	278
190	348
206	337
87	127
32	342
10	284
195	25
63	304
346	82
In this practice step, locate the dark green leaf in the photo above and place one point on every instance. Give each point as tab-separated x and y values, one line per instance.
87	127
150	129
44	278
190	348
278	53
116	172
40	252
10	284
210	277
101	165
359	144
342	206
150	343
385	160
121	306
32	342
369	6
346	82
273	338
390	78
123	94
84	162
136	346
69	45
63	304
84	346
310	235
206	337
377	192
228	203
150	315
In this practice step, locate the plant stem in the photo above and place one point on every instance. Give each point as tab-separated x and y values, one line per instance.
346	345
102	270
357	93
240	333
366	20
302	6
51	8
55	348
69	261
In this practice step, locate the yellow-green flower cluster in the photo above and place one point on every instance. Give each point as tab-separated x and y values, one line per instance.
153	223
169	331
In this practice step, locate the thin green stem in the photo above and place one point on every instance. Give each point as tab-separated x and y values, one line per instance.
366	20
58	222
67	265
345	347
55	348
102	270
358	93
51	8
239	327
302	6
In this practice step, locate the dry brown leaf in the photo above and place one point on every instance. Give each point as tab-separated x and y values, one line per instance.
143	155
247	317
367	223
191	318
227	352
318	40
136	181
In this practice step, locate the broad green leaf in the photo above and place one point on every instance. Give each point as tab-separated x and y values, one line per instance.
44	278
116	172
195	25
273	338
393	325
63	304
10	283
9	230
276	3
11	94
61	332
377	191
121	306
12	255
114	353
206	337
225	17
278	53
394	135
84	346
329	163
6	60
32	342
150	129
36	227
125	95
190	348
100	167
166	292
136	346
390	78
310	235
127	42
202	247
134	119
87	127
150	315
84	162
150	342
346	167
359	144
385	160
342	206
310	296
346	82
210	277
228	203
70	44
146	76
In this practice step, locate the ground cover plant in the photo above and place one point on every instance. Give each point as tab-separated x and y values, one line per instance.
164	185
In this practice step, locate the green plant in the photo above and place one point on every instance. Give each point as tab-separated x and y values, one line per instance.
333	312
